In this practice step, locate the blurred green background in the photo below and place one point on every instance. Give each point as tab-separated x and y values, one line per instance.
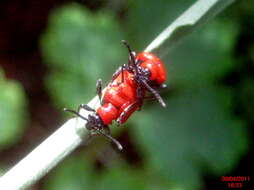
51	54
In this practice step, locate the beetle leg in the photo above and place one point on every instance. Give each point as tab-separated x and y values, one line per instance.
155	93
140	96
116	73
122	75
107	129
131	53
86	107
117	143
107	135
99	89
75	113
127	112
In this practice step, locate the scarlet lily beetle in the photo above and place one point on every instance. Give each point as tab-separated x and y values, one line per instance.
125	93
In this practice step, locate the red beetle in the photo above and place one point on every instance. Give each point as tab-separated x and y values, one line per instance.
121	93
149	73
155	66
126	92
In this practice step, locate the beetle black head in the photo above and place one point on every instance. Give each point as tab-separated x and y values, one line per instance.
95	125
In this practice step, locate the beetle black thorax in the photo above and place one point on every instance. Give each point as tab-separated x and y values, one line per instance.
142	74
94	122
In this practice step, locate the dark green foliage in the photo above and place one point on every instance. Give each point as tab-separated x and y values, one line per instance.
195	132
70	175
80	47
205	56
145	20
12	112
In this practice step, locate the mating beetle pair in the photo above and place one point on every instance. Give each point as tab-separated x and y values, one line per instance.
126	92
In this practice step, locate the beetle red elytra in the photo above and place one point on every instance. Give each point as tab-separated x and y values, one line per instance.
125	93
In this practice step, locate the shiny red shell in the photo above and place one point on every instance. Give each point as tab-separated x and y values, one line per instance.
144	56
108	112
154	65
120	97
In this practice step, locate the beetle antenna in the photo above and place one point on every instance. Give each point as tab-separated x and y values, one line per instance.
75	113
99	89
117	143
130	51
155	93
85	107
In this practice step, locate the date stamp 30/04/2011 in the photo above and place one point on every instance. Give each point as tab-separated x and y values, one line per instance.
236	181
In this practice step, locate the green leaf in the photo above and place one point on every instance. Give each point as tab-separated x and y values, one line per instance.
1	171
74	173
115	179
145	18
195	133
77	173
199	13
13	113
205	56
132	178
79	47
245	94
